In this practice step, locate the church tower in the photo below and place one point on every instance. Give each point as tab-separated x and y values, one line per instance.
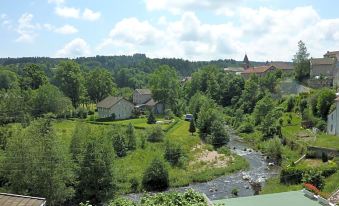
246	62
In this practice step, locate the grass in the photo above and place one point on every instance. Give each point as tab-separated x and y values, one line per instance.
273	186
328	141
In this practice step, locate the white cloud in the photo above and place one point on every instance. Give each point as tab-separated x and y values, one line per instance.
66	29
180	6
68	12
26	29
90	15
263	33
75	48
56	1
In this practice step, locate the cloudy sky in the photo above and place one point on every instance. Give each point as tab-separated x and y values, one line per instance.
189	29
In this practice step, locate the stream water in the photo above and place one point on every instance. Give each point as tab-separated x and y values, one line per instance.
221	188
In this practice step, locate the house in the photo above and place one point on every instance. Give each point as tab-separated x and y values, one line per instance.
117	106
259	71
332	54
286	67
323	67
142	98
333	120
234	70
7	199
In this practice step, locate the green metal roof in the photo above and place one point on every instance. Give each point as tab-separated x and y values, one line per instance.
295	198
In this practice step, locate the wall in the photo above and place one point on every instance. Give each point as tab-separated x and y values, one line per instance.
319	150
140	98
322	70
122	110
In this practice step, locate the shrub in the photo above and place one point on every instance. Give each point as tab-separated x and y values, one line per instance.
173	153
315	178
235	191
324	157
81	113
90	112
151	118
311	154
122	202
246	127
134	184
156	176
155	134
119	144
321	125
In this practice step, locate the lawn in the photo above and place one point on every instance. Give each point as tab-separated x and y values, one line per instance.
325	140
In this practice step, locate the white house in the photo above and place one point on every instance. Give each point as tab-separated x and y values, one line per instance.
117	106
333	120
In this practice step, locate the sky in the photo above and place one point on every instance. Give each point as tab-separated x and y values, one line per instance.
266	30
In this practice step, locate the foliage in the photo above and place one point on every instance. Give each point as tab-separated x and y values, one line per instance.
164	84
315	178
324	101
219	136
134	184
273	149
156	176
173	153
131	137
192	127
324	157
70	80
262	108
155	134
49	99
187	198
122	202
96	176
301	62
99	84
246	127
8	79
33	77
151	118
119	144
37	164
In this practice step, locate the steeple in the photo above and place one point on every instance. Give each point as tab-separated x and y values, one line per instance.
246	62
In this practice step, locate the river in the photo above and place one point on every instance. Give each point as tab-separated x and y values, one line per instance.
221	188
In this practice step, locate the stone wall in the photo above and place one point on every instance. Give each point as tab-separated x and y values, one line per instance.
319	150
319	83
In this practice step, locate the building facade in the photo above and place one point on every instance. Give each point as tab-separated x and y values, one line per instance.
333	120
118	107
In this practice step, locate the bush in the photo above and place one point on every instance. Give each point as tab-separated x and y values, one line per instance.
321	125
311	154
173	153
134	185
155	134
90	112
119	144
235	191
122	202
315	178
156	176
324	157
246	127
151	118
81	113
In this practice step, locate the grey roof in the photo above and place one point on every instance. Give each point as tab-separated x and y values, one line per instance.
282	65
109	102
322	61
143	91
151	102
20	200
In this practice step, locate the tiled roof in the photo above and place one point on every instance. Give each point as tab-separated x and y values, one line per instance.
143	91
19	200
332	53
255	70
109	101
151	102
322	61
282	65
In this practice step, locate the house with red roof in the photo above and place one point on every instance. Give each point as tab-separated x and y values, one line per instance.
259	71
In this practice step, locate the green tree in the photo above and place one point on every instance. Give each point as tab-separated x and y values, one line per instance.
192	127
70	80
164	84
33	77
119	144
49	99
156	176
38	164
8	79
131	137
301	62
325	100
219	136
151	118
262	108
173	153
206	118
97	176
99	84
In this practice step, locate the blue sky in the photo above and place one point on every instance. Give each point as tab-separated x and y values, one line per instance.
189	29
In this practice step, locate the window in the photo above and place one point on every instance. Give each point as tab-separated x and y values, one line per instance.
331	127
